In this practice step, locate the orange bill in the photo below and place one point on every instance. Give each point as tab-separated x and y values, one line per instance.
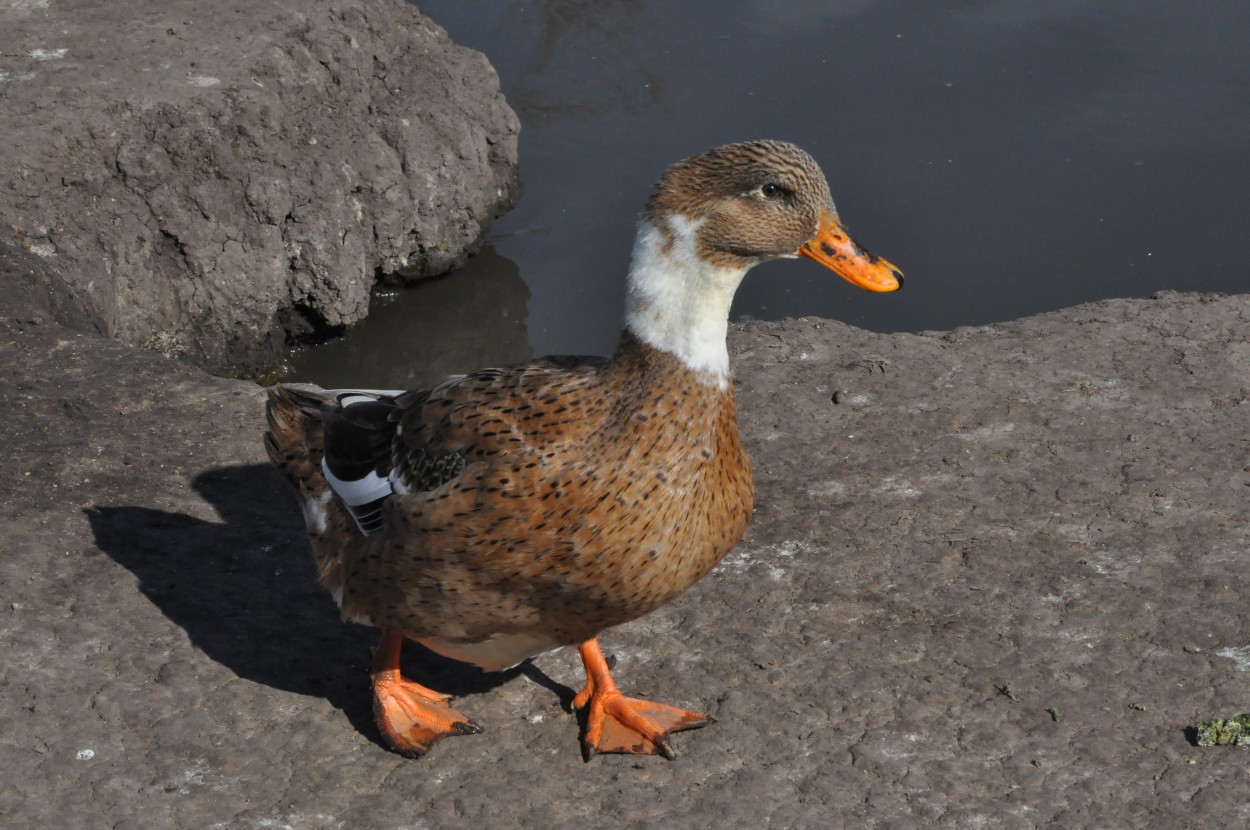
833	248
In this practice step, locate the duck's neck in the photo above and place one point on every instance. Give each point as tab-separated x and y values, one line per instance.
677	301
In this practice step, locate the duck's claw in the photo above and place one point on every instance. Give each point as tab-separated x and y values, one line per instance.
615	723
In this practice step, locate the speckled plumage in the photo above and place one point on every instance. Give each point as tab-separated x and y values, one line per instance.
592	493
536	505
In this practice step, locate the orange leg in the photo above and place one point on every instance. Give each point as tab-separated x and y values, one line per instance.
615	723
411	717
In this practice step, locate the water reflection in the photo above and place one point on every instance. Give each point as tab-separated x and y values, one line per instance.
576	66
419	335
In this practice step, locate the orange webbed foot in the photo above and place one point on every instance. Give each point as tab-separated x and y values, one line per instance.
410	717
615	723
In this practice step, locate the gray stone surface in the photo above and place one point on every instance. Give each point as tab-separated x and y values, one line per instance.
206	178
990	586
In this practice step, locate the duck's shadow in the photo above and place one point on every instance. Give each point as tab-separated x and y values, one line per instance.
245	592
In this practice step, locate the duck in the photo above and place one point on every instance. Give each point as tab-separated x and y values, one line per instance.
511	511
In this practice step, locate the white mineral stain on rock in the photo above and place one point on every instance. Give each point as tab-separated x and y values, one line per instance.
937	478
768	555
897	486
826	488
47	54
1114	565
301	821
1240	655
203	80
987	432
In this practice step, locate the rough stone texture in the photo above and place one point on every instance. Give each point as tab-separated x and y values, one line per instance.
991	586
204	179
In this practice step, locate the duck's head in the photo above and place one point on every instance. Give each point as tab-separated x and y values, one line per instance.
712	217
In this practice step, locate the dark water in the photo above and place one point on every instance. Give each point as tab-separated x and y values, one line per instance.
1011	157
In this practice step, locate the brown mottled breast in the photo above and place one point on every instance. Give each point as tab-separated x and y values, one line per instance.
591	494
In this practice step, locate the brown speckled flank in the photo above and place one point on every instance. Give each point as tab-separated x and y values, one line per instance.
592	493
537	505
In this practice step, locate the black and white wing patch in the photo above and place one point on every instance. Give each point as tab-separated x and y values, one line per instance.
360	464
357	461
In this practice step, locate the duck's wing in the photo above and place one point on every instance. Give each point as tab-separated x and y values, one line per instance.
378	444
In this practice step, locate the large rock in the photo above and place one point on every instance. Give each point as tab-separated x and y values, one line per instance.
208	179
990	586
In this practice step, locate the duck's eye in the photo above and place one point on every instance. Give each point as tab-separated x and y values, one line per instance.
772	191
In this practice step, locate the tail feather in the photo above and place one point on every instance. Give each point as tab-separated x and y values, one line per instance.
295	441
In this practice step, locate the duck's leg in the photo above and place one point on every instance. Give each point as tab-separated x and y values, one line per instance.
615	723
411	717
